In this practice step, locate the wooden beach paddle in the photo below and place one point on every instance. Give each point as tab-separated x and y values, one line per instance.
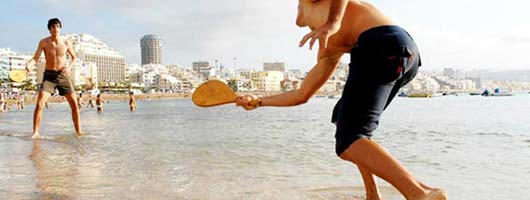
17	75
213	93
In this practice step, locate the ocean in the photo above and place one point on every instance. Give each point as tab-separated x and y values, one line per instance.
474	147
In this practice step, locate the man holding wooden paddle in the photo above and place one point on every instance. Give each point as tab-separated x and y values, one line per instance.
56	74
384	58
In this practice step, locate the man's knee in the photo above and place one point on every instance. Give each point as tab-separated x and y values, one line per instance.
39	106
350	153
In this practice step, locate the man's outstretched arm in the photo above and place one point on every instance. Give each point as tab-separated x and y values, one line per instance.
317	76
332	25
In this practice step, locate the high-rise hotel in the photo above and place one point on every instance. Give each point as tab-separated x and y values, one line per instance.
151	49
110	64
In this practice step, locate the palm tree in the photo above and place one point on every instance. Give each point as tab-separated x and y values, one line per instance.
232	83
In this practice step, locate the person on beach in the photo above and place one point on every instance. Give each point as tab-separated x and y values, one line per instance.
99	103
384	58
56	74
90	102
132	101
80	101
22	101
1	101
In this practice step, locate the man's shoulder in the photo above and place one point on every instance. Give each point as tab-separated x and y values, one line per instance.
43	40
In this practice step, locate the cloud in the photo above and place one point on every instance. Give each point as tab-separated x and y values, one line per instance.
449	33
205	29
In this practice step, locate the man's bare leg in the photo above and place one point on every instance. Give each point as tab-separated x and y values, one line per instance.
370	185
75	112
37	115
372	192
375	159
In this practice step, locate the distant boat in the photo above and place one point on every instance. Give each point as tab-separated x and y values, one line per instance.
332	96
502	94
420	95
497	93
475	93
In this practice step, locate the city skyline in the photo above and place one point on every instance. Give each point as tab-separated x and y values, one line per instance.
470	37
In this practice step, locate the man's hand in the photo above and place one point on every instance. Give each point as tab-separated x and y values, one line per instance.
248	101
29	64
66	71
322	33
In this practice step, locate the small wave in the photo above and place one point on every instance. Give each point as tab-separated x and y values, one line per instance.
495	134
355	193
20	135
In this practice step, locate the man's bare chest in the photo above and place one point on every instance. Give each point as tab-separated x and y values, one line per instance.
55	48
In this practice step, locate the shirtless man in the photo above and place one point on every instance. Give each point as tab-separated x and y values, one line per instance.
56	74
384	58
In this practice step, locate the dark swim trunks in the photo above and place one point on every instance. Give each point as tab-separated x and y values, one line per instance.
384	59
54	79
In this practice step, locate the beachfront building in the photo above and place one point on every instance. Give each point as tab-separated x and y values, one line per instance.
243	73
203	67
329	87
274	66
267	81
295	74
189	78
151	75
290	84
151	46
168	83
244	85
341	72
135	72
423	84
85	75
111	67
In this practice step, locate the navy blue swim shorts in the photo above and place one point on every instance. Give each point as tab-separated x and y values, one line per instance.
384	59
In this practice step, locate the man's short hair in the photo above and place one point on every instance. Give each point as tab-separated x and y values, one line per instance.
54	21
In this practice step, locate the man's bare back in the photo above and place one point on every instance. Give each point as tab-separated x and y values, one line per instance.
358	17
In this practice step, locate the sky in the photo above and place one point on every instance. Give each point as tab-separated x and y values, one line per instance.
465	34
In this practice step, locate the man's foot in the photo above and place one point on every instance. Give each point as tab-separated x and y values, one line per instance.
79	134
373	196
35	136
435	194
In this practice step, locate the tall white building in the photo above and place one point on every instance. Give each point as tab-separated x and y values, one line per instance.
110	64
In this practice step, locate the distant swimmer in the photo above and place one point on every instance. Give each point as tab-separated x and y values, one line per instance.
384	57
56	74
132	101
99	103
90	102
